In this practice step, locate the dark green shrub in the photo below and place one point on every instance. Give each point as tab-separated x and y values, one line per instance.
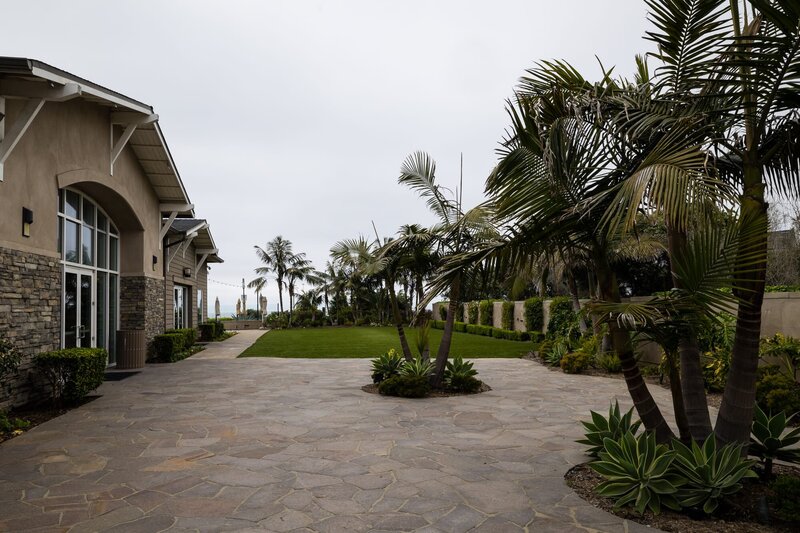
485	331
461	327
534	314
486	310
575	362
536	336
443	310
786	498
189	335
436	324
460	313
777	392
72	373
207	332
169	347
544	349
507	320
466	384
472	329
472	313
563	320
11	424
458	368
609	362
715	369
405	386
10	358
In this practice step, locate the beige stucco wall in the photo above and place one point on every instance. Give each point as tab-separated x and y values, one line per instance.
69	144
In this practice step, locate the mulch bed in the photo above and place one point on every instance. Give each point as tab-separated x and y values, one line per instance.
372	388
744	512
40	413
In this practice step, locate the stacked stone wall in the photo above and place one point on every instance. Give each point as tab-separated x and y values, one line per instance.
141	305
30	316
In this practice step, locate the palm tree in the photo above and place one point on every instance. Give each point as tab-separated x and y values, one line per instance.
455	233
310	299
297	270
276	257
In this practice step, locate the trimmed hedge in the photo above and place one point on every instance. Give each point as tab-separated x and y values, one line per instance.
169	347
211	330
443	310
487	331
189	335
507	319
472	313
534	314
72	373
562	316
486	308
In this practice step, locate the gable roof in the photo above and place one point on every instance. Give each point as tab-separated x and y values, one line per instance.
20	75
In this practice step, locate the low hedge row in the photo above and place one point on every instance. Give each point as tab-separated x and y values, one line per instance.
211	330
169	347
489	331
72	373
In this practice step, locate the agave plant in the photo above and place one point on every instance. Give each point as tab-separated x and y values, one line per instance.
559	350
386	365
417	368
637	471
613	427
711	474
768	441
458	368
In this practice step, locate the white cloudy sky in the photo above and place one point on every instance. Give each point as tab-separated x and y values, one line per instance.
293	117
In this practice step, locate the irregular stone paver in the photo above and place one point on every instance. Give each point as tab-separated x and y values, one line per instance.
286	444
230	348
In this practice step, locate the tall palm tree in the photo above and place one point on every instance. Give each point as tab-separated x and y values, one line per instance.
276	256
298	269
310	299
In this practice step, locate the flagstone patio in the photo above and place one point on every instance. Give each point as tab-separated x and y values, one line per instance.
295	445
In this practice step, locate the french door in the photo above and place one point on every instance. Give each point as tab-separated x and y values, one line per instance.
78	325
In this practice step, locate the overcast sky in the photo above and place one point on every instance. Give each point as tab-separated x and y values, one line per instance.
293	118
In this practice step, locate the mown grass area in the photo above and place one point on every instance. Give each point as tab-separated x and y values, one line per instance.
330	343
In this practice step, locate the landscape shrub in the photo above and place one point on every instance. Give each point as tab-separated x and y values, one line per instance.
536	336
10	359
460	313
776	391
472	313
72	373
507	320
486	310
786	349
206	332
575	362
612	427
436	324
715	369
534	314
417	367
461	327
609	362
786	498
405	386
769	439
10	424
458	369
563	319
443	310
169	347
544	349
189	335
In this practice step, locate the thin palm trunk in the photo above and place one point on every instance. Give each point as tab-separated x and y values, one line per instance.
736	412
676	390
398	321
576	303
280	292
447	335
648	410
692	386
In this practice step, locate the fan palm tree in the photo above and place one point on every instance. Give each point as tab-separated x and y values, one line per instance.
297	270
310	299
276	256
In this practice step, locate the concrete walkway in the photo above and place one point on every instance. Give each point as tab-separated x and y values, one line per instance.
294	445
232	347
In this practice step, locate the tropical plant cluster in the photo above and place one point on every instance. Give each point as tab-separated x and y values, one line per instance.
696	477
412	379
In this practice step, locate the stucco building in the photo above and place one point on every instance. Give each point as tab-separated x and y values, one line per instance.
97	231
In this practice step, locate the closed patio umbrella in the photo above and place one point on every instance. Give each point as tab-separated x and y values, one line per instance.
216	308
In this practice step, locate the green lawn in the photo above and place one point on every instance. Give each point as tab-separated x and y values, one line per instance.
366	342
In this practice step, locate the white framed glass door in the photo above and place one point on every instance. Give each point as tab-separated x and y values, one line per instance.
78	324
180	306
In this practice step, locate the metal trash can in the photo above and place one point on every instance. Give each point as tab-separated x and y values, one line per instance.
131	348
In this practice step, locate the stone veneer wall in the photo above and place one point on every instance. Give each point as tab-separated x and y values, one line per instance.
141	305
30	314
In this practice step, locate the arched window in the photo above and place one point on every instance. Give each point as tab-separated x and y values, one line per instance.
88	242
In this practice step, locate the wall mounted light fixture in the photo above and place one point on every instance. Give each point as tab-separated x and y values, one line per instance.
27	220
187	272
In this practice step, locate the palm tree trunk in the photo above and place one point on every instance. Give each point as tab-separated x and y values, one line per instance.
648	410
576	303
280	292
398	321
692	386
677	398
447	335
736	412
